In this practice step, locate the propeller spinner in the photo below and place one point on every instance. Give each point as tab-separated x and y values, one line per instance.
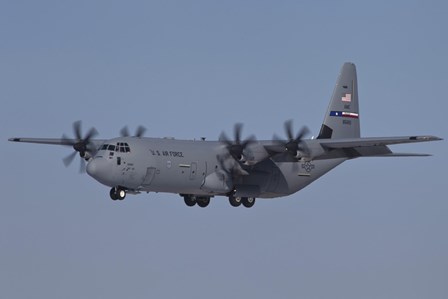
80	145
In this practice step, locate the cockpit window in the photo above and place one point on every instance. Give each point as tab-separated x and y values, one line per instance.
123	147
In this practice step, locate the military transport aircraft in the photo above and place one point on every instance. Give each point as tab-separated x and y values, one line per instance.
241	170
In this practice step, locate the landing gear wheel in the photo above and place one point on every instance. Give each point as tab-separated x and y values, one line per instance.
248	202
113	194
203	201
121	194
189	200
234	201
117	193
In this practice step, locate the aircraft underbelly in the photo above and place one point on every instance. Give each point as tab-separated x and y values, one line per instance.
291	177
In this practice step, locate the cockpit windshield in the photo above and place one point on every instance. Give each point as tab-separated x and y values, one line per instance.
121	147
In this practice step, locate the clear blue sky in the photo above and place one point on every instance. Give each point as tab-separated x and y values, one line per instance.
372	228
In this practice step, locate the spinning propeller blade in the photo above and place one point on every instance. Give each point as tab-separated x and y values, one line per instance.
293	144
138	133
236	147
79	144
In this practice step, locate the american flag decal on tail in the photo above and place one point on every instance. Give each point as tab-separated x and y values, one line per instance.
347	98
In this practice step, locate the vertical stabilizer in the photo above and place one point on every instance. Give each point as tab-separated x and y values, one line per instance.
342	117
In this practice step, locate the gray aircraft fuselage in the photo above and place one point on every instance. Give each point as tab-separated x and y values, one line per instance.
184	166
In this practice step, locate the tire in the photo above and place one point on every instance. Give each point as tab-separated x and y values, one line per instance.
117	193
203	201
248	202
234	201
189	200
113	194
121	193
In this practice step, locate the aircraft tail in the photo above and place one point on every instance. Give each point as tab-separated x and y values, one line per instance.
342	117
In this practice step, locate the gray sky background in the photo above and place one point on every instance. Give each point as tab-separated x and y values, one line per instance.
372	228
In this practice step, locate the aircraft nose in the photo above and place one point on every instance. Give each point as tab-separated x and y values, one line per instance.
95	167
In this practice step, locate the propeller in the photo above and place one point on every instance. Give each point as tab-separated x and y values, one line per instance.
237	146
230	166
138	133
79	144
293	144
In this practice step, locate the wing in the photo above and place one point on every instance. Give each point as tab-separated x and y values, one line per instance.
369	147
91	146
86	147
321	149
375	141
55	141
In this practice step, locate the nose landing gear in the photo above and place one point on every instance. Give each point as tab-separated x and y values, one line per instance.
117	193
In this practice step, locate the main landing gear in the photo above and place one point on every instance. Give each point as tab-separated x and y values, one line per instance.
117	193
191	200
203	201
236	201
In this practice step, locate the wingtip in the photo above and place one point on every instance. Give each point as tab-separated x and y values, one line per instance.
425	138
434	138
